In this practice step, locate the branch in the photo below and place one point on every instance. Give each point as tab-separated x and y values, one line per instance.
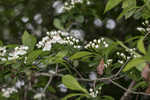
129	90
126	94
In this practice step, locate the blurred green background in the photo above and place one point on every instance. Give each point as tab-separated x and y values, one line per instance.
37	17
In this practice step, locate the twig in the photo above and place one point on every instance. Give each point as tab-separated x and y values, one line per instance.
126	94
125	89
146	35
25	92
48	83
50	79
121	68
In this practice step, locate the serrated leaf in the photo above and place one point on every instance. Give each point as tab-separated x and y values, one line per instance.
140	45
71	83
28	40
32	56
80	54
111	4
57	23
134	63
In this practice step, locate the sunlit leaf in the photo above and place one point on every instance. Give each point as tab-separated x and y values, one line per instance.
80	54
134	63
28	40
71	83
140	46
111	4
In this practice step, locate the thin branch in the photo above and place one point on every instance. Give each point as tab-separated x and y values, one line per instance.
48	83
121	68
126	94
146	35
125	89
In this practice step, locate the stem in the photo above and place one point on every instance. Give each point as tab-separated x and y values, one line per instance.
126	94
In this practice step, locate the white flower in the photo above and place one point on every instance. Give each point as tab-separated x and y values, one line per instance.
91	90
99	41
47	46
3	59
2	51
92	76
39	95
19	51
57	39
19	84
78	33
6	94
97	46
25	19
98	22
93	93
8	91
63	88
56	4
140	29
110	24
106	45
59	7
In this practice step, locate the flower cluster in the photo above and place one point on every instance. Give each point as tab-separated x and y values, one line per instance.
123	57
108	62
145	24
6	92
57	37
71	4
51	38
96	43
94	93
18	51
2	53
68	5
72	41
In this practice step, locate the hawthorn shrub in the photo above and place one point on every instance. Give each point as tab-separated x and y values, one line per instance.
64	65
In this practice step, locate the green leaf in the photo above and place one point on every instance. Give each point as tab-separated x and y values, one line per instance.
57	23
28	40
72	95
33	55
80	54
140	84
134	63
140	45
71	83
141	66
108	98
127	12
80	19
129	3
111	4
61	54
